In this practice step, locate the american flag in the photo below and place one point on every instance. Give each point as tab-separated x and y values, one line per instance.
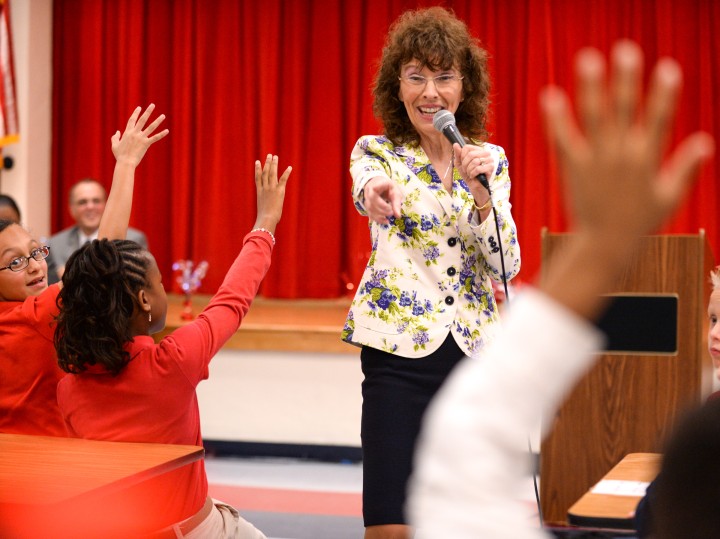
9	129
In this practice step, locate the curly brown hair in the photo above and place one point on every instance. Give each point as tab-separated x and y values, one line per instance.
439	40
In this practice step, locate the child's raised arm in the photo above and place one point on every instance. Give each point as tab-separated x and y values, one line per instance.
129	149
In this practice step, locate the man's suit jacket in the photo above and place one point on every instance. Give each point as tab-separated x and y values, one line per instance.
67	241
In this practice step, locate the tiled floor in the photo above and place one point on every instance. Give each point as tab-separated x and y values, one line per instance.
289	499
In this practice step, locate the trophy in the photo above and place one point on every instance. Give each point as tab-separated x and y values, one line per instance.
189	279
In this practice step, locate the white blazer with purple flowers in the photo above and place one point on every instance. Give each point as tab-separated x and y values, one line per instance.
429	271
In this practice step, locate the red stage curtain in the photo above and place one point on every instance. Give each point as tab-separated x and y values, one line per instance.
241	78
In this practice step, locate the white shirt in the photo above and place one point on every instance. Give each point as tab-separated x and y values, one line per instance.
472	456
83	239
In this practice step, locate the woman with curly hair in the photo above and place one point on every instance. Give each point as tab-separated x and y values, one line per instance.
426	297
124	387
29	373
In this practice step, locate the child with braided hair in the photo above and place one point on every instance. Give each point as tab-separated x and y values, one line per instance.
125	387
28	368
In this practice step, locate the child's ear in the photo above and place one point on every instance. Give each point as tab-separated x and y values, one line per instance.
143	300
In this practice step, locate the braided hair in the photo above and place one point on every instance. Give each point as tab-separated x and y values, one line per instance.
97	302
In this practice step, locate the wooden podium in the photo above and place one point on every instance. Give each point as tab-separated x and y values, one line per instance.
629	401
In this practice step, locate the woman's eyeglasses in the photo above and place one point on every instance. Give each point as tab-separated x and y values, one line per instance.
441	81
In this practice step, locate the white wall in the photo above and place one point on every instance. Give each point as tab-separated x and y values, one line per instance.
28	182
276	397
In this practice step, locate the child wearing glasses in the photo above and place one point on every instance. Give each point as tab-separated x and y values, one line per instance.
123	386
29	373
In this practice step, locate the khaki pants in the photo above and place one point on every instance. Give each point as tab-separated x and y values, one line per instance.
223	522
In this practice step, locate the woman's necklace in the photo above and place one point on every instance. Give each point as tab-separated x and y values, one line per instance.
451	165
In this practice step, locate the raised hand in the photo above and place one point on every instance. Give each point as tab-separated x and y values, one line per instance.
130	147
618	188
616	180
270	192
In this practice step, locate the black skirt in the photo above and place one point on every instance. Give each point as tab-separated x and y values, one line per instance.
396	391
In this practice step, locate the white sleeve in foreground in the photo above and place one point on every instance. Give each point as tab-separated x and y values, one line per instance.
472	456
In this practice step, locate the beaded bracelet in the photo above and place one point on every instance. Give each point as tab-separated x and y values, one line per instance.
485	206
272	236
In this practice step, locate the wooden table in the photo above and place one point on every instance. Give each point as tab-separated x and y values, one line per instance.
43	475
611	511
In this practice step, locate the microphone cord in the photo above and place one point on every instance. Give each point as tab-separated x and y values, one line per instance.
507	301
502	255
444	121
535	486
499	239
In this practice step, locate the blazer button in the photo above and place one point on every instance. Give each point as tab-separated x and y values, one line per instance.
449	300
451	271
452	242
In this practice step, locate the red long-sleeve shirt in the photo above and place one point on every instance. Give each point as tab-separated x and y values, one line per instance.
153	399
29	371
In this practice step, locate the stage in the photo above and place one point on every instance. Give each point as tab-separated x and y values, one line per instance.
303	325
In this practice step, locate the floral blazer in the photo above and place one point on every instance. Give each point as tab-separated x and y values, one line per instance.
429	271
